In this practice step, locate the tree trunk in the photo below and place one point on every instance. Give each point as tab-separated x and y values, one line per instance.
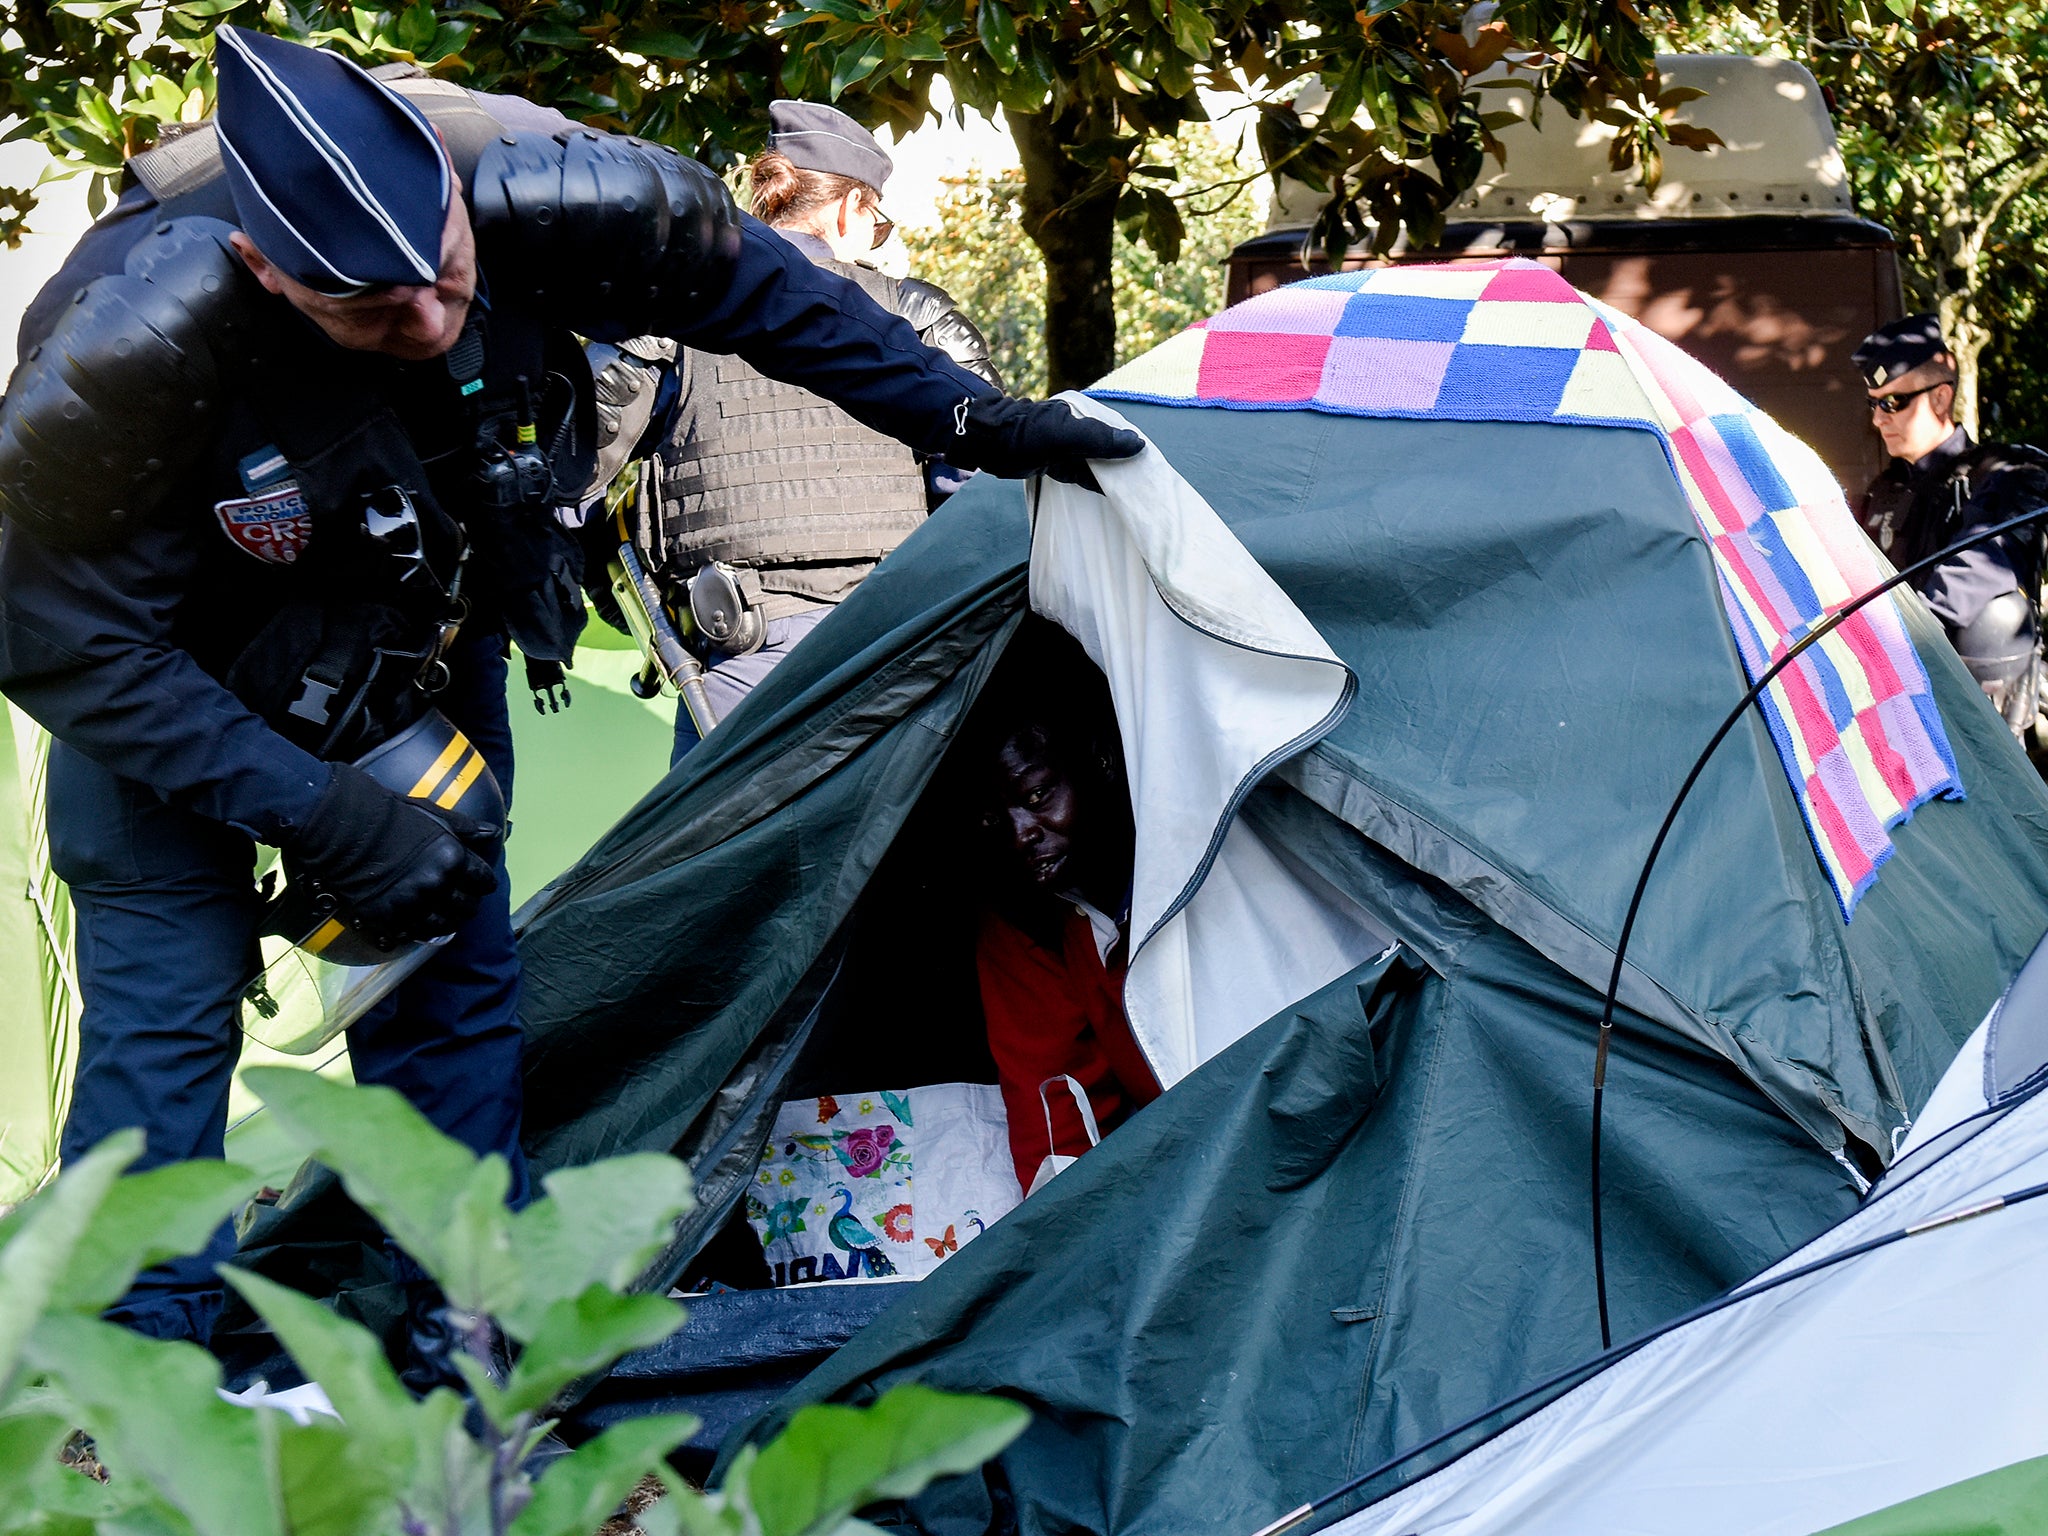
1074	229
1966	339
1959	243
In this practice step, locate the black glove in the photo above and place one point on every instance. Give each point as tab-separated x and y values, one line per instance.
1014	438
397	870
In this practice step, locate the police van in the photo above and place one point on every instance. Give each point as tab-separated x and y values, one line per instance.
1751	255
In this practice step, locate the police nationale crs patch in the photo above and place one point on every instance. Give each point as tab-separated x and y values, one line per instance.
275	527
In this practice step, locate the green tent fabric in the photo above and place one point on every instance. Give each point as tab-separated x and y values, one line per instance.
1368	1218
39	1017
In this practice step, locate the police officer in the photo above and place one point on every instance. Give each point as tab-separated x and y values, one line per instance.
1939	487
768	493
275	470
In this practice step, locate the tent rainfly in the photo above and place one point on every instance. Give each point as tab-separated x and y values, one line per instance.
1883	1380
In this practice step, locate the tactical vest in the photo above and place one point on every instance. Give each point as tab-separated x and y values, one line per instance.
761	473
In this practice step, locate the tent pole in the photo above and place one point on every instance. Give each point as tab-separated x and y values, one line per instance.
1819	632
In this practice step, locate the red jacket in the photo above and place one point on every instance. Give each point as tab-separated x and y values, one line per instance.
1050	1013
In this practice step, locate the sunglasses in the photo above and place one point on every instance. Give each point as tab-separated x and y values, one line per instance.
884	227
1891	405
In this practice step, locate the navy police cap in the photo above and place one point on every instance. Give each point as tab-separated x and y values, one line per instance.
820	138
338	180
1892	351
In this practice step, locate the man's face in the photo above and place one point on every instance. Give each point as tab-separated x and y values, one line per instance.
1032	809
1924	419
413	324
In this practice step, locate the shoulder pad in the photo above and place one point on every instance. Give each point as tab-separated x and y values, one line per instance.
604	231
939	323
921	302
100	420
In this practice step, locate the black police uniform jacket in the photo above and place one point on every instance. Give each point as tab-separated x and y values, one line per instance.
1914	510
138	652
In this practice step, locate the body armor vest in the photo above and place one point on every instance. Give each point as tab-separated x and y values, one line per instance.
759	472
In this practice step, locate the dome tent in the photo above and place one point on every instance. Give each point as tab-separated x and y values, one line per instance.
1361	1213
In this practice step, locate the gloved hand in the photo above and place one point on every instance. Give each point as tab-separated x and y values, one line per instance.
627	379
1014	438
398	870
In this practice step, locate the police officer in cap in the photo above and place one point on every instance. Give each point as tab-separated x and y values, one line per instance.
276	470
1939	487
768	495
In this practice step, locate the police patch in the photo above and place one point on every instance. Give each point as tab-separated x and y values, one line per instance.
274	527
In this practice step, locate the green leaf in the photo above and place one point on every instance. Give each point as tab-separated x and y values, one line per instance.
578	1493
442	1204
29	1444
45	1235
857	63
44	1497
597	1225
831	1460
154	1409
1193	33
658	43
27	1441
147	1218
333	1481
1345	97
551	34
581	1336
346	1359
97	11
997	29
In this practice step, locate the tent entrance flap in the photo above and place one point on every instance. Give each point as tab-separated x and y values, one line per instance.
1217	677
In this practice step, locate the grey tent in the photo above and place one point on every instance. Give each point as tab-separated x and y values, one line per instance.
1361	1214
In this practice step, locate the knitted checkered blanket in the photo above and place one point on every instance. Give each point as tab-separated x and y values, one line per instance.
1854	719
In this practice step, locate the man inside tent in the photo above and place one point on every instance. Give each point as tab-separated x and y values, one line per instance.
1044	768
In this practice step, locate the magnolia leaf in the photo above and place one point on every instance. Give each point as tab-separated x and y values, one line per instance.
581	1336
147	1218
45	1235
660	43
596	1225
1688	136
997	29
1193	33
578	1493
832	1460
856	63
432	1194
153	1407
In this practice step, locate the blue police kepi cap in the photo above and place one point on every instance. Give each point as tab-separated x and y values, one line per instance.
338	180
1895	350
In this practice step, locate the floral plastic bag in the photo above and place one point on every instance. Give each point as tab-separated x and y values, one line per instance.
880	1186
